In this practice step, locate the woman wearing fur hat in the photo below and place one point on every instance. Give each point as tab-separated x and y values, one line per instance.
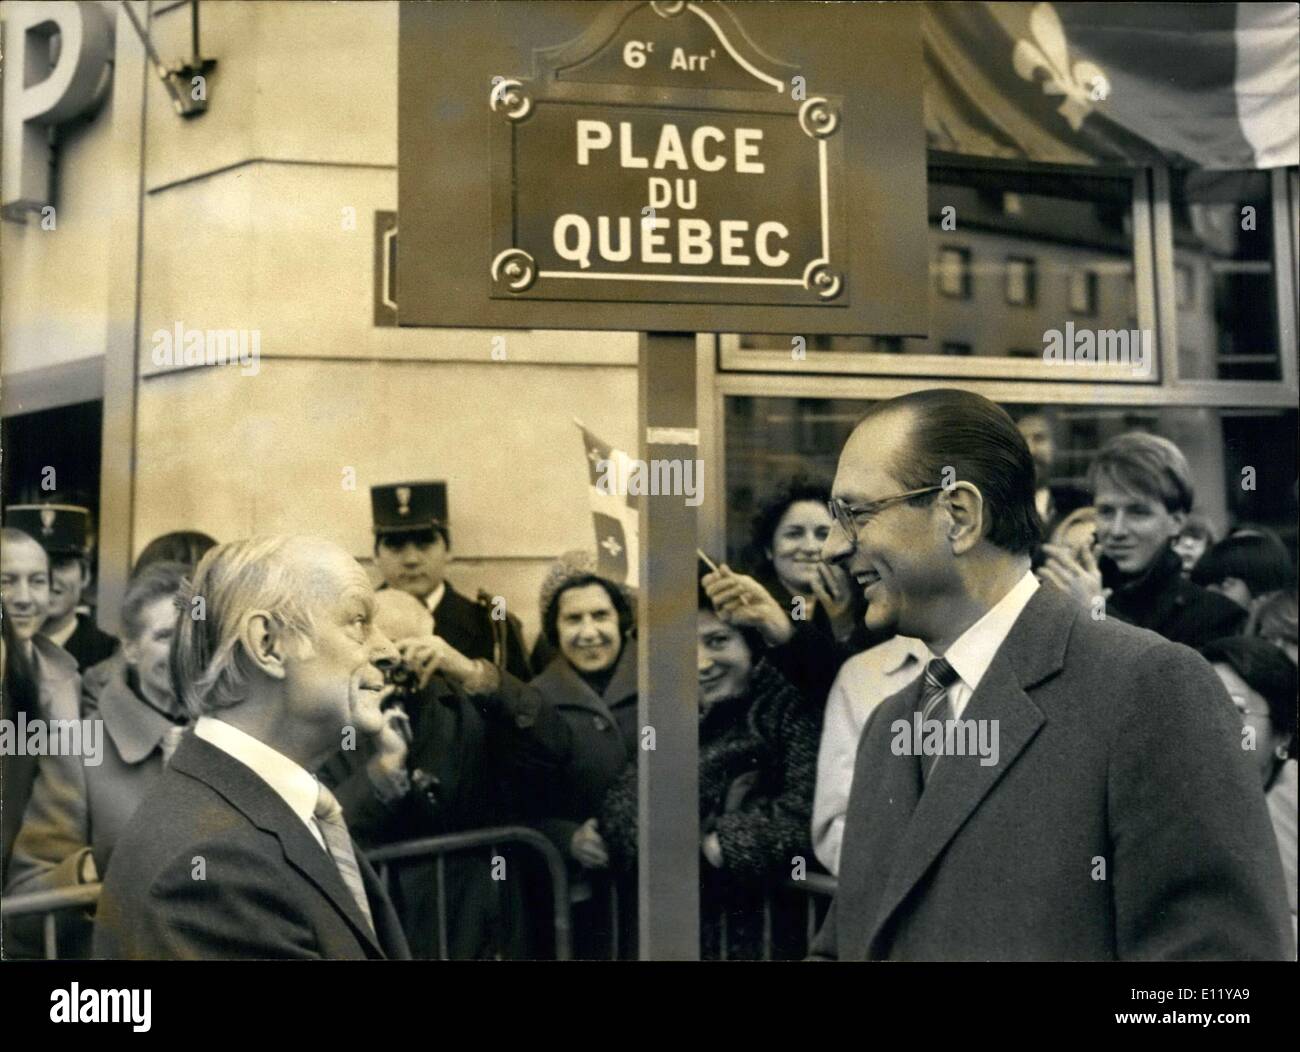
592	682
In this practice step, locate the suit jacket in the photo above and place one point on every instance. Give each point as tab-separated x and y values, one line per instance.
215	865
1121	820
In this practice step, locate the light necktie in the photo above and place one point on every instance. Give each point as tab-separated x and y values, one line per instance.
329	816
170	740
938	677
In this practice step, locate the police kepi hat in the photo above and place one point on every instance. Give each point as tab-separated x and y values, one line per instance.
61	529
405	507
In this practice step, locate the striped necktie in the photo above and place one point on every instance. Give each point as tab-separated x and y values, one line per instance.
329	817
939	676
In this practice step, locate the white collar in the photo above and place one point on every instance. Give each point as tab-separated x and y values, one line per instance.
293	783
899	651
435	597
972	653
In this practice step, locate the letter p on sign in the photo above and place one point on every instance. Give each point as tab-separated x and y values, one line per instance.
40	92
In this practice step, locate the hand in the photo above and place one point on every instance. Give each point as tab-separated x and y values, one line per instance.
742	602
833	590
588	847
712	848
1078	577
425	655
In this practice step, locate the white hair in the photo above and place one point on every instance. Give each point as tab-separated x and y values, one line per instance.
210	664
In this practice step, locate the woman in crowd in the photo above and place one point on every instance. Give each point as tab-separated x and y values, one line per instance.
67	837
1142	490
1194	540
820	605
757	770
1262	684
1246	569
592	683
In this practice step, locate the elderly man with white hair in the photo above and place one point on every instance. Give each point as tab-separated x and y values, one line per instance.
239	851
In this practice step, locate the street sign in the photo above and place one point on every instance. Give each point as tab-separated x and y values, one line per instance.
662	166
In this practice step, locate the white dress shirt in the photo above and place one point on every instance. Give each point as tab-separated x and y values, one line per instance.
293	783
972	653
435	597
863	682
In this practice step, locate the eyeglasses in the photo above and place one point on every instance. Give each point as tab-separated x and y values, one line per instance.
850	519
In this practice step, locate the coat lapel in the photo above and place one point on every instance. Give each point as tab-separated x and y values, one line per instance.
1032	651
241	787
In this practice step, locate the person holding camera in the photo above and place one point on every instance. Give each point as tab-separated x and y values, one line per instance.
458	735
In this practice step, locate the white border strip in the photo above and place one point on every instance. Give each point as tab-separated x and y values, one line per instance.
689	278
746	66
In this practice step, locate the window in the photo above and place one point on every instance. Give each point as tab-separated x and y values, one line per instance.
1020	278
1083	293
1223	243
954	273
1015	254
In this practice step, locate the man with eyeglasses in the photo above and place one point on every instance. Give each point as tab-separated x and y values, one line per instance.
1113	819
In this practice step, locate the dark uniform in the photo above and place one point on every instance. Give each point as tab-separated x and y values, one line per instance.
89	644
466	761
466	624
63	530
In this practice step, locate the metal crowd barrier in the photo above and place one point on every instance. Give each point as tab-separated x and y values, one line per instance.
438	847
50	903
814	886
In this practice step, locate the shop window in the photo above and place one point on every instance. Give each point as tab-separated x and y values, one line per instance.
1224	249
1219	443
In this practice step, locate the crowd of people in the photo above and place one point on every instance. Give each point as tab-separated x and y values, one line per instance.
271	719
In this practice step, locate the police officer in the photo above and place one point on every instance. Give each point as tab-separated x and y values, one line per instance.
412	550
63	530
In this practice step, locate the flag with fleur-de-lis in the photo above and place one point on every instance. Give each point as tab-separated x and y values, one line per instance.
1208	85
613	511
